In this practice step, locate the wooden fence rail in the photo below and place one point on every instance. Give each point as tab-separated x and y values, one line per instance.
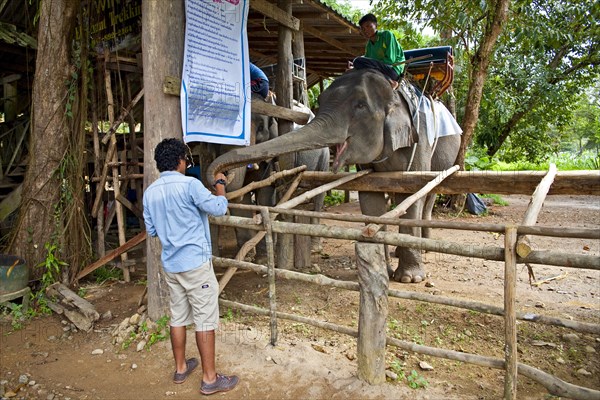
369	369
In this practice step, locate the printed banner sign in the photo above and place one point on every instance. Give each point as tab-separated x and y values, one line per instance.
215	105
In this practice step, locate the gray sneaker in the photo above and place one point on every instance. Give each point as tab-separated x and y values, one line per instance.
223	383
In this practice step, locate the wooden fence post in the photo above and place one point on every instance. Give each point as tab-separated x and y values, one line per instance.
510	316
264	212
372	313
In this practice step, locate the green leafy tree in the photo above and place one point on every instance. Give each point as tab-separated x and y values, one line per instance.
547	56
474	26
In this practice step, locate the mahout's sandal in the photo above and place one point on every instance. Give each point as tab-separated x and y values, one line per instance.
191	364
223	383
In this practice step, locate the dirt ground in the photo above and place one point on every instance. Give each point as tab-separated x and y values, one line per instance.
47	359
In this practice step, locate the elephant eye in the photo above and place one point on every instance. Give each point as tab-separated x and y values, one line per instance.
361	105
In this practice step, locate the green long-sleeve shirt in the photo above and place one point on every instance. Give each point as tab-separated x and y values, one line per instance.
386	49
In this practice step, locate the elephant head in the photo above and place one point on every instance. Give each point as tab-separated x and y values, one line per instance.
359	114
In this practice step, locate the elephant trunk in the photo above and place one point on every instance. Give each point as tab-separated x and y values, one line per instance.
317	134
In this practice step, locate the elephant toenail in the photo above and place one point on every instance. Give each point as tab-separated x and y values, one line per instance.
406	279
417	279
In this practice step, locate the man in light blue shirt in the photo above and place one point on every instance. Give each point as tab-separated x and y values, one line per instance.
176	209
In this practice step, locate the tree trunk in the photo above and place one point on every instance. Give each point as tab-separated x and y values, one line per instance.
162	43
38	223
479	70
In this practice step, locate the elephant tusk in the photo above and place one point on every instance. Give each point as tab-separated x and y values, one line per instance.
339	150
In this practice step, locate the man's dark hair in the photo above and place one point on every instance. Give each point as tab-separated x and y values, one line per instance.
368	18
168	153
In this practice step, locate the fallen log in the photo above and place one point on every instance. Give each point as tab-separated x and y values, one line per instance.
77	310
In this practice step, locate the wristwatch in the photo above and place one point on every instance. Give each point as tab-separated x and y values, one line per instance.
220	182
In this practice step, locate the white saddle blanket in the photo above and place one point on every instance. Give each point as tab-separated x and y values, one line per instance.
439	121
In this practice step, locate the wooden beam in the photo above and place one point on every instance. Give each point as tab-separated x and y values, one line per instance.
130	244
335	43
509	182
264	108
272	11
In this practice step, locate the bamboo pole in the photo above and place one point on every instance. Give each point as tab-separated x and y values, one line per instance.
371	229
533	210
579	233
265	182
323	280
250	244
510	318
554	385
271	275
569	260
98	203
115	124
284	203
115	170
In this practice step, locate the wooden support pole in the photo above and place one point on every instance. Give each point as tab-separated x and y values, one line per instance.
533	210
114	125
510	317
115	170
372	229
98	203
264	212
372	312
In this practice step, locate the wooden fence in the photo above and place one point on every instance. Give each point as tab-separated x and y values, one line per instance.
373	279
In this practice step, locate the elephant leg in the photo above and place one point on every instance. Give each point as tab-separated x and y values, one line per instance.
374	204
410	264
427	211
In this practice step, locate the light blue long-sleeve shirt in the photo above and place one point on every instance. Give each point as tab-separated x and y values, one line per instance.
176	209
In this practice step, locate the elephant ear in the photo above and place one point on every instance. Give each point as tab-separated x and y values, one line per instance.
398	128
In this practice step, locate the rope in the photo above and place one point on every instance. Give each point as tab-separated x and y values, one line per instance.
418	124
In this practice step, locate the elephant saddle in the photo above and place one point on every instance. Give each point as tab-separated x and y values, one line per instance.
432	69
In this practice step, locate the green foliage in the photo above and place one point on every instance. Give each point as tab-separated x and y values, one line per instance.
345	8
416	381
51	265
17	316
478	160
162	332
106	273
336	197
228	317
397	368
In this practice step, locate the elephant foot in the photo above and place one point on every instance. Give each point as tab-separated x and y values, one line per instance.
409	275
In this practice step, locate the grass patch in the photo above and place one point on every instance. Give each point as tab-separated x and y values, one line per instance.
496	198
106	273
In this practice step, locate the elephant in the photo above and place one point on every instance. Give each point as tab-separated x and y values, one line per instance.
370	125
264	128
